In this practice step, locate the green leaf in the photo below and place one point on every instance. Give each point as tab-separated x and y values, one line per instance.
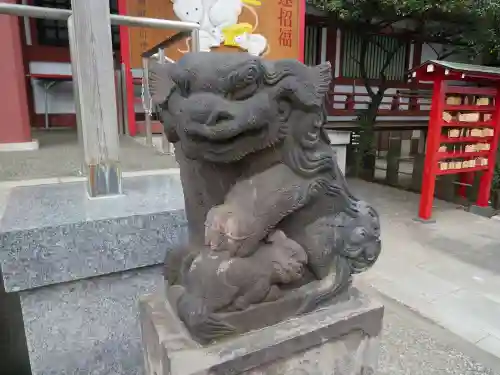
471	25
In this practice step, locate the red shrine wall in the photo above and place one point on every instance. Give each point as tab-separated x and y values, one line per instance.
14	118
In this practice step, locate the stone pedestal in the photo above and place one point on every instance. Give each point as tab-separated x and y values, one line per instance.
72	270
341	339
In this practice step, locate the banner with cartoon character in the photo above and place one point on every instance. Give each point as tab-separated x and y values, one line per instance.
269	28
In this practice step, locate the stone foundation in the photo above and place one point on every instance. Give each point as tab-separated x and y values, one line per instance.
342	339
72	270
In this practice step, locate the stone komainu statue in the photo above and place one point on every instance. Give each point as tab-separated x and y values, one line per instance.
274	230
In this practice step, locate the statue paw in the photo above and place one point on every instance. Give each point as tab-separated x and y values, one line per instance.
228	229
212	329
275	293
240	304
175	262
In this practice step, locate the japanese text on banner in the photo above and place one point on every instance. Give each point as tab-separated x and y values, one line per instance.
286	23
143	35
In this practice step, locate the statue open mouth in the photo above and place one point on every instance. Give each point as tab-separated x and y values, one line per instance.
218	143
259	133
231	134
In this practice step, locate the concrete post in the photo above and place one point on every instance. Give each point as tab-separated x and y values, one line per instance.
393	158
94	77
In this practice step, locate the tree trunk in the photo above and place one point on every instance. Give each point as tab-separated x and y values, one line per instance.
495	199
364	166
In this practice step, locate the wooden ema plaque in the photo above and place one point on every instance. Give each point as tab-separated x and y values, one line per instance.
269	28
463	128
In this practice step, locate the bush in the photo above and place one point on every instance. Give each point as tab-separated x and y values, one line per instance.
495	184
495	188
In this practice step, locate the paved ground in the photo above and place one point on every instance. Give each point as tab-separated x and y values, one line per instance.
412	345
405	171
448	272
61	156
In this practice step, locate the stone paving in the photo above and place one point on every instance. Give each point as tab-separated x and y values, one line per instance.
412	345
61	156
448	272
446	276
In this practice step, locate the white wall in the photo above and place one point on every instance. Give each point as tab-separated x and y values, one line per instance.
339	141
428	53
60	96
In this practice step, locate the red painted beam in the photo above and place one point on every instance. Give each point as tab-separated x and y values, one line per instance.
125	59
302	29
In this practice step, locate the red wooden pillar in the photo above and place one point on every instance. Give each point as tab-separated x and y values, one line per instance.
125	59
302	30
483	195
465	180
14	110
433	141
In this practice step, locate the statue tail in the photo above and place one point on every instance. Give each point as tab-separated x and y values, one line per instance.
201	323
338	285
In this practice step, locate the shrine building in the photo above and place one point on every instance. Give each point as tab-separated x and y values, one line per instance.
37	90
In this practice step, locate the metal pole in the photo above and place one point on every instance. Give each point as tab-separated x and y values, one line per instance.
165	144
27	28
123	73
34	12
195	40
161	55
46	103
119	100
115	19
153	22
147	101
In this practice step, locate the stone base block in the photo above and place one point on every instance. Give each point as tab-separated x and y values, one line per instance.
20	146
53	234
481	211
73	269
341	339
87	327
